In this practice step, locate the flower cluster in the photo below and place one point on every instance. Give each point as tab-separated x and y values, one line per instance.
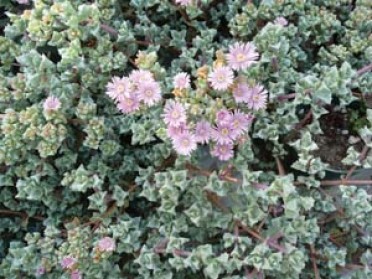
129	92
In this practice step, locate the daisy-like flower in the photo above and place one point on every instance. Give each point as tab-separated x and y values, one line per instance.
181	81
240	123
139	76
68	262
119	87
174	114
51	104
128	104
149	92
281	21
183	2
223	133
203	131
241	92
185	143
258	98
106	244
223	152
173	132
223	116
241	56
221	78
76	275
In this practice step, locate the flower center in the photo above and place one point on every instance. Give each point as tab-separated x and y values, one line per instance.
256	98
224	131
240	57
185	142
148	93
175	114
129	102
220	78
121	88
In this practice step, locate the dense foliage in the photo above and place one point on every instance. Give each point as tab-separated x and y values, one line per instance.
95	183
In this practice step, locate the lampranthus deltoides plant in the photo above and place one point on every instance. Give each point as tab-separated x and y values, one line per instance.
185	139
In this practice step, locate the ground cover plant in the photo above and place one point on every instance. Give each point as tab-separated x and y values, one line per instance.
185	139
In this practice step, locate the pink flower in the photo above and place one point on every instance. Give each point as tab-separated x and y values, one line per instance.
174	132
174	114
128	104
223	152
281	21
223	133
107	244
221	78
241	92
51	104
68	262
24	2
119	87
181	81
203	131
149	92
258	98
241	56
40	271
240	123
76	275
223	116
184	143
139	76
183	2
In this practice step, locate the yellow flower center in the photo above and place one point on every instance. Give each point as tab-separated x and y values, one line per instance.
185	142
220	78
121	88
148	93
175	114
256	98
240	57
129	102
224	131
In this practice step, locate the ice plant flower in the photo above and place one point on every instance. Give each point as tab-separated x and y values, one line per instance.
183	2
68	262
223	116
258	98
118	87
173	132
240	123
223	133
203	131
76	275
24	2
107	244
139	76
281	21
51	104
223	152
128	104
221	78
181	81
241	56
174	114
241	92
40	271
184	143
149	92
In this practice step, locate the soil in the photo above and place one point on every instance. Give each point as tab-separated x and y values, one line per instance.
334	142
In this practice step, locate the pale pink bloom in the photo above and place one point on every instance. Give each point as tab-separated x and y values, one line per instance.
128	104
40	271
221	78
241	92
241	56
68	262
281	21
174	114
51	104
107	244
183	2
139	76
119	87
76	275
258	98
24	2
223	133
181	81
184	143
240	123
203	131
149	92
173	132
223	116
223	152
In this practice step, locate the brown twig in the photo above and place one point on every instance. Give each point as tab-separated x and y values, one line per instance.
21	214
109	29
345	182
303	122
362	156
364	70
280	166
313	260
